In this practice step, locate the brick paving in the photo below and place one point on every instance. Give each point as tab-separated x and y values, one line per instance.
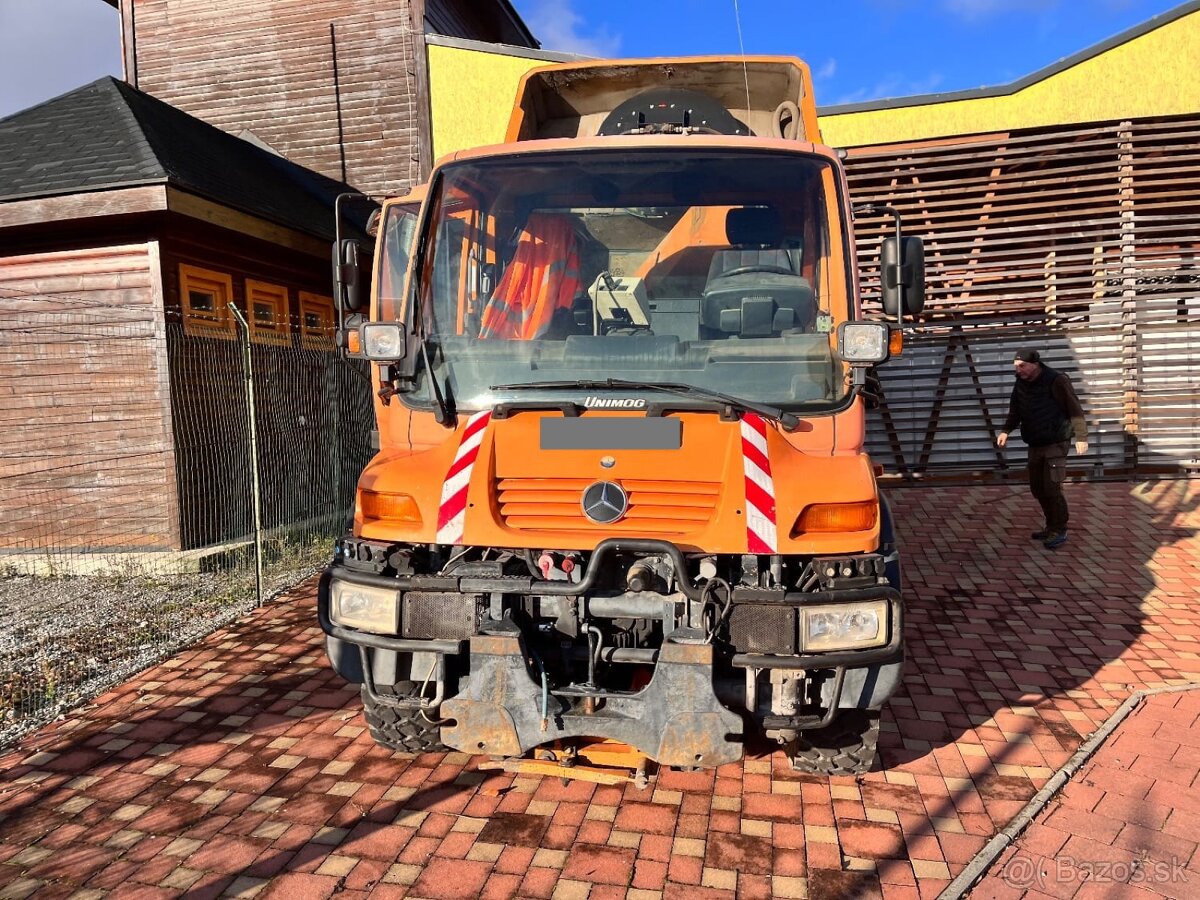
1128	822
241	767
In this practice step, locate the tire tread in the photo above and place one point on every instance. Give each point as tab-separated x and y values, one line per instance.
401	729
847	747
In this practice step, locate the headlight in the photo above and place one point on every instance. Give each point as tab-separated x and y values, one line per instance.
383	342
863	342
369	608
846	626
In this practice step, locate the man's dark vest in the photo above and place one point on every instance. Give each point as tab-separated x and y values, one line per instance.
1042	421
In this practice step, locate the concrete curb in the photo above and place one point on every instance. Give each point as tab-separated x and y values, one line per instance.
961	886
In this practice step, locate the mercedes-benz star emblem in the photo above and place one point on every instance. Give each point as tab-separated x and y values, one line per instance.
605	502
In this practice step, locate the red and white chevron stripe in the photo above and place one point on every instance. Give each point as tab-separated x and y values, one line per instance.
452	512
760	487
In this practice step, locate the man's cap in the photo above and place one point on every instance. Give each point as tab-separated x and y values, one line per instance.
1028	355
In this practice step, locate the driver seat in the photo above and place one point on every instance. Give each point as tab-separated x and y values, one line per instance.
756	304
756	238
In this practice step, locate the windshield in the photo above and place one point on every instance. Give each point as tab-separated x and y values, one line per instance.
704	268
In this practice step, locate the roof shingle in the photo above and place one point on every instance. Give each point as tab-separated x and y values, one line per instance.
108	134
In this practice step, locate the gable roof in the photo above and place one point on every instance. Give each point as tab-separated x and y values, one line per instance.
109	135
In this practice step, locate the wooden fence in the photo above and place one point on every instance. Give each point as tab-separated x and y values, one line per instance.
1081	241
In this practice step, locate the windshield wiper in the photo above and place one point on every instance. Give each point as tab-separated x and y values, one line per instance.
789	421
443	414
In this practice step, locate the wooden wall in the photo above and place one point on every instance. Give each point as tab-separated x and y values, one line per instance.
330	84
86	450
313	438
1080	240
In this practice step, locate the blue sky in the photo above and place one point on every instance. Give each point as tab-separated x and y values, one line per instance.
858	49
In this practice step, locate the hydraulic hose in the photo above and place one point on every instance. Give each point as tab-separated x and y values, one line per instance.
545	690
707	594
785	123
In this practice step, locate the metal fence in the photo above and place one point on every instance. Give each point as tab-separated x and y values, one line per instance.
133	518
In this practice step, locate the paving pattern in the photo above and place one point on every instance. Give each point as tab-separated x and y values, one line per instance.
241	767
1127	824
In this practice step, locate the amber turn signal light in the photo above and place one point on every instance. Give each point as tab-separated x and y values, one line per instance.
825	518
895	342
389	507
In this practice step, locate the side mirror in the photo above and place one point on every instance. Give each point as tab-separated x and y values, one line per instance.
348	278
902	276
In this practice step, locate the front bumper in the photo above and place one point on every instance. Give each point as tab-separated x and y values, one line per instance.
676	719
503	708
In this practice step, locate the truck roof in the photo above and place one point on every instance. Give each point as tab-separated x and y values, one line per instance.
771	95
638	142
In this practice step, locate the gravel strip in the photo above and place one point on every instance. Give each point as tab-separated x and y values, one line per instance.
67	639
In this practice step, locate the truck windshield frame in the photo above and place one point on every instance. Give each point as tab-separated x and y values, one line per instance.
722	268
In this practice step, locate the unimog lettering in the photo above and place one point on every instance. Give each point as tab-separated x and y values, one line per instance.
614	403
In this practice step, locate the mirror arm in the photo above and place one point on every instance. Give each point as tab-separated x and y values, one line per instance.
337	243
874	209
900	279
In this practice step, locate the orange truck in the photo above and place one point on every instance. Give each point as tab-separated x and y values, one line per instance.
621	491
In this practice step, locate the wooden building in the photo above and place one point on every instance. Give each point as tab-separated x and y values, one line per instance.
1057	211
128	232
338	86
134	217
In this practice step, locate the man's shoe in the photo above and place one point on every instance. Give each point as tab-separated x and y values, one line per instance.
1055	539
1040	535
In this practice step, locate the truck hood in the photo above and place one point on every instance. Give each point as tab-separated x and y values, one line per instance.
723	487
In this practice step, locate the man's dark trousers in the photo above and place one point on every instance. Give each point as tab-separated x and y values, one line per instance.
1047	471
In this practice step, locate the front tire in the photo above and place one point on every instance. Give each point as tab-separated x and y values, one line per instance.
401	729
846	747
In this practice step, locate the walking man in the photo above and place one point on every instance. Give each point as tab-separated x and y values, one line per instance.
1044	404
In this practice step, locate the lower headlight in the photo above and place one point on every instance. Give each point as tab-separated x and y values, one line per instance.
372	609
846	626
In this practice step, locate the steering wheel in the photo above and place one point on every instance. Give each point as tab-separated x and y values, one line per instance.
766	270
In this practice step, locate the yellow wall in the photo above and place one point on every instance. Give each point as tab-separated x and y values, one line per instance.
471	96
1156	74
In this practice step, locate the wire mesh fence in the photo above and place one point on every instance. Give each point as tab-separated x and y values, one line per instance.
128	487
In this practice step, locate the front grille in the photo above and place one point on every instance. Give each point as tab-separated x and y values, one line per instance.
656	508
439	616
763	629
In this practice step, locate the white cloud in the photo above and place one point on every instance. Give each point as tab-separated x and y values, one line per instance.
891	86
558	27
826	71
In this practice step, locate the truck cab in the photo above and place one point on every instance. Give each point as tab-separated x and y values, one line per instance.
621	490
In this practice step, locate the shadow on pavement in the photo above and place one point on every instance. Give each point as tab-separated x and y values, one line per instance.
245	759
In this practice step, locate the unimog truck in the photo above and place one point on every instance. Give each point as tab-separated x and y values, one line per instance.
620	490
